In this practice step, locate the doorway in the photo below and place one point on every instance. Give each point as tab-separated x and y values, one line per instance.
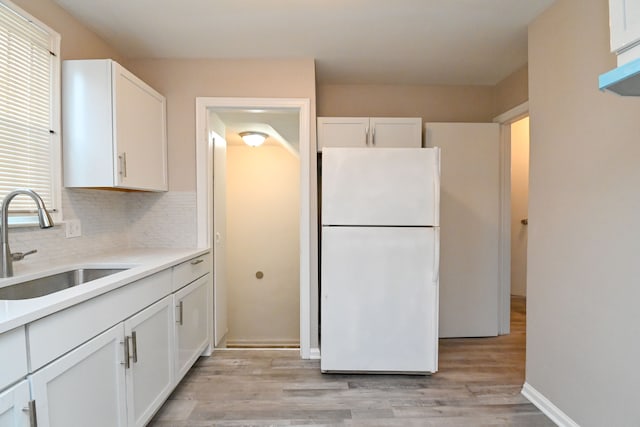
519	205
207	135
514	171
256	221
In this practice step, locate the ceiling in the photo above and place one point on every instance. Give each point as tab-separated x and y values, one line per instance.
455	42
282	126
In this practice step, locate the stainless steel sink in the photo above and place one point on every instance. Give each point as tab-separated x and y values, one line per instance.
56	282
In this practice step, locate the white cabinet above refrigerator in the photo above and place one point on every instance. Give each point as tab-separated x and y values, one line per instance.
371	132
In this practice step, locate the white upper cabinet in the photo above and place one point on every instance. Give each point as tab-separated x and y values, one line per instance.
624	19
369	132
114	128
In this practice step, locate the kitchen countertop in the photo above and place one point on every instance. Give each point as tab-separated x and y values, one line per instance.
140	263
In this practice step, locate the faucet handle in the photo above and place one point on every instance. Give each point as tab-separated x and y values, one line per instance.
18	256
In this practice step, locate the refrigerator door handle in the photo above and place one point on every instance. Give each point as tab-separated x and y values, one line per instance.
436	255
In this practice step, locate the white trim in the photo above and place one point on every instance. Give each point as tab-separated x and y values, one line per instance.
314	353
514	114
504	250
308	214
549	409
504	273
257	343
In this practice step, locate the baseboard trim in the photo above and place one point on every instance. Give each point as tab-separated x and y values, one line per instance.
314	353
549	409
263	344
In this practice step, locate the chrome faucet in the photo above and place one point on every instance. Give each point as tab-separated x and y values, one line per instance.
44	220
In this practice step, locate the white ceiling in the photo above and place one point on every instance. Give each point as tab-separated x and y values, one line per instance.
282	126
352	41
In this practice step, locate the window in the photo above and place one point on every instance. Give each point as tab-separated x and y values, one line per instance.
29	111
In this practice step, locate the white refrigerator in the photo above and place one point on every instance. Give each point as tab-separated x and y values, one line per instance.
380	260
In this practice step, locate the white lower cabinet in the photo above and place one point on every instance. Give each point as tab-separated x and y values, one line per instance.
192	325
154	330
86	387
150	367
14	405
119	378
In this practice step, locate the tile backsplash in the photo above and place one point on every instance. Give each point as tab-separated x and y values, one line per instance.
111	220
162	220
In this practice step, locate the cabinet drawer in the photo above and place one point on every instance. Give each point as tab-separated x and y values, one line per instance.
13	356
188	271
54	335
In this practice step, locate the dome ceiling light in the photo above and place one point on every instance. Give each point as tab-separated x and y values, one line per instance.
253	139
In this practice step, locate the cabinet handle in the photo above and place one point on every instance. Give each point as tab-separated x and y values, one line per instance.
31	409
123	164
125	343
366	136
197	261
180	307
373	136
134	344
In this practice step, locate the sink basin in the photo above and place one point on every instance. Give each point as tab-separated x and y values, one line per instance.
56	282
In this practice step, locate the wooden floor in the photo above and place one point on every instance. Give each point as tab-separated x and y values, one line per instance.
478	384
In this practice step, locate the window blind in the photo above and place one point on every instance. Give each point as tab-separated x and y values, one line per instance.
25	110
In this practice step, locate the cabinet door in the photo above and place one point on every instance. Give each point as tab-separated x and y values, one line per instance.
396	132
343	132
14	406
140	148
624	17
86	387
150	374
192	325
13	357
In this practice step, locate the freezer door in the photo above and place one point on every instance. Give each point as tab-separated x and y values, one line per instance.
385	186
379	307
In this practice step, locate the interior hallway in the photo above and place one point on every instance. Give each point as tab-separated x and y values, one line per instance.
478	384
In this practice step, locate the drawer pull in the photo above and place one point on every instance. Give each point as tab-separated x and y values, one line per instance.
180	307
197	261
134	344
31	409
125	343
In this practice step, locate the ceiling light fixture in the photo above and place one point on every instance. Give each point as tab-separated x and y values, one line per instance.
253	139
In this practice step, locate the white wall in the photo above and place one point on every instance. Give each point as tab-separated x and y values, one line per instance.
519	204
583	327
263	203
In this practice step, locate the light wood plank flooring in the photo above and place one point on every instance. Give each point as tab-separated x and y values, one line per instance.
478	384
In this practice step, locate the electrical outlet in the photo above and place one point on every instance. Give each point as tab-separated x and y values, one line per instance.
73	228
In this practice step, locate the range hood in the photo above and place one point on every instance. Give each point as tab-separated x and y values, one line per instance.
624	80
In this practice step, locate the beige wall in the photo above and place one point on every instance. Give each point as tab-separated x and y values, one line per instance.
432	103
519	204
78	41
583	328
181	81
513	90
263	235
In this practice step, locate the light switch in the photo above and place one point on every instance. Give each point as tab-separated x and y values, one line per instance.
73	228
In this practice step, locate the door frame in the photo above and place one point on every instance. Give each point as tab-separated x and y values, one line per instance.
308	212
504	253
